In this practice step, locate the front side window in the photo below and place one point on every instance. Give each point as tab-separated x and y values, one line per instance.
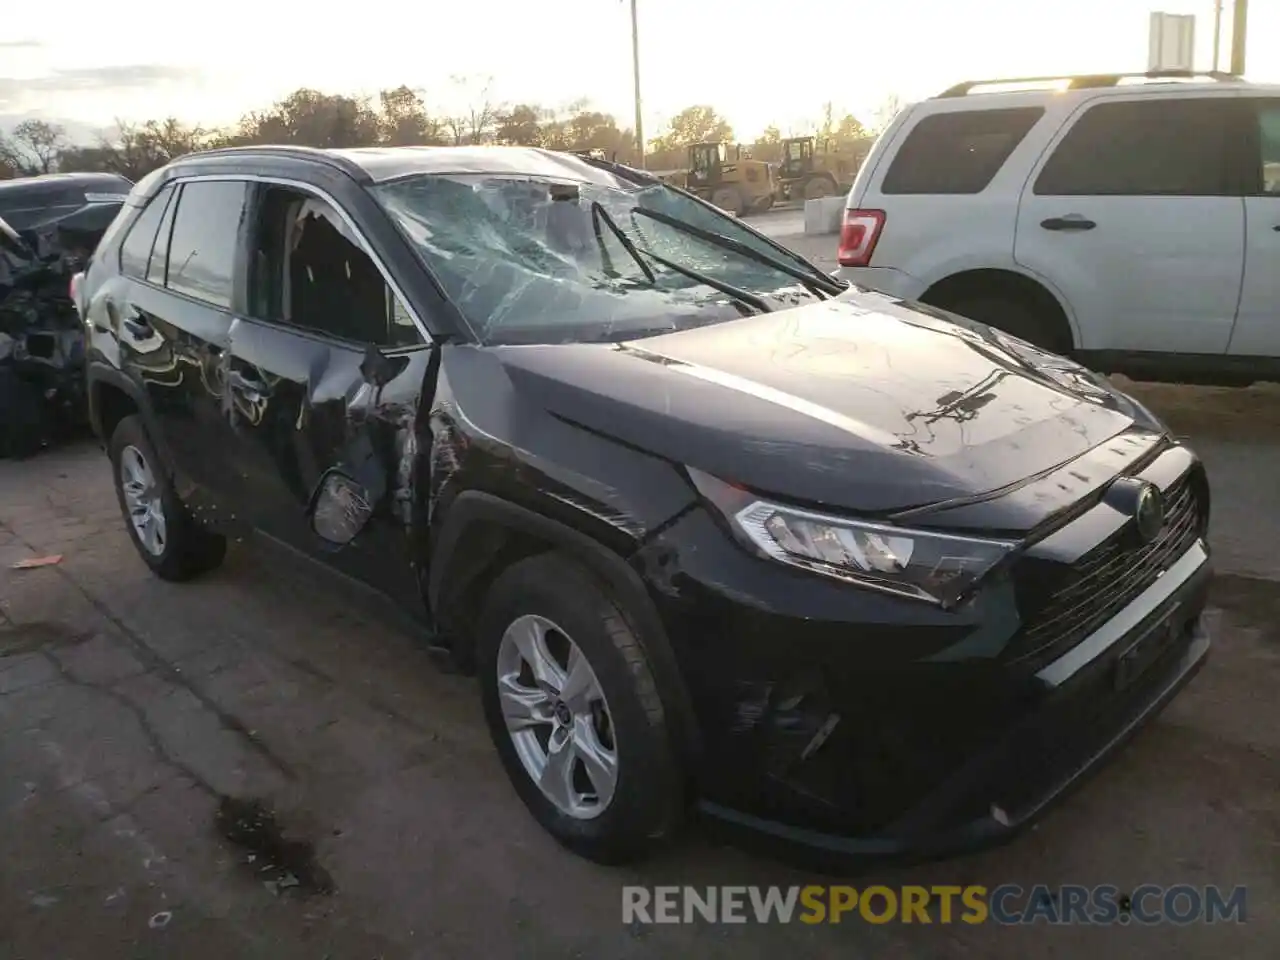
205	237
532	259
1269	142
958	152
1154	147
308	269
135	252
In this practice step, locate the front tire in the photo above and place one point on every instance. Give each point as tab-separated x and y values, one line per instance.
818	187
728	199
573	709
169	541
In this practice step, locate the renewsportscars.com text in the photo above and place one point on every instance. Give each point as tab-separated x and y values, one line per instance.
1008	904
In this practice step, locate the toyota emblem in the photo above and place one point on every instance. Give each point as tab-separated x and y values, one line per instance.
1148	513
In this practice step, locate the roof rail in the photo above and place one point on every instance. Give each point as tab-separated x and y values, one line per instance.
313	154
1090	80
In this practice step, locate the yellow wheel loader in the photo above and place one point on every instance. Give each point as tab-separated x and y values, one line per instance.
721	174
807	173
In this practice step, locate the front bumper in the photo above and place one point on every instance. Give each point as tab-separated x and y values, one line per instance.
1090	700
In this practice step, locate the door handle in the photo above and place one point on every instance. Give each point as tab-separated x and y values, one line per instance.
1276	228
1072	221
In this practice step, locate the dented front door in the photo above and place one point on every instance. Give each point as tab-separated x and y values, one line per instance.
300	405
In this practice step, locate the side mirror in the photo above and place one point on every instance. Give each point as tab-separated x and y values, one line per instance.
340	508
346	495
378	368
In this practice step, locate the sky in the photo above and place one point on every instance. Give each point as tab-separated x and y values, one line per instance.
759	62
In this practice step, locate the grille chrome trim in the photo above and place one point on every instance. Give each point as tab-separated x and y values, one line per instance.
1063	604
1092	646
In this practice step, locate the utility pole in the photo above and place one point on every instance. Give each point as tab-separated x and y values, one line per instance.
1217	32
635	63
1239	34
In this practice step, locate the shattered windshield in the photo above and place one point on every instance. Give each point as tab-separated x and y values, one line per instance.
540	260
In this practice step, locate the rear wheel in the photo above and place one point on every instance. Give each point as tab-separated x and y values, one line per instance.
573	709
169	541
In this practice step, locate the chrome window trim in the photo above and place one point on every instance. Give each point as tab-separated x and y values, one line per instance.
322	194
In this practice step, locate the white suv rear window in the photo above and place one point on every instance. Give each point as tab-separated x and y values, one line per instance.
958	152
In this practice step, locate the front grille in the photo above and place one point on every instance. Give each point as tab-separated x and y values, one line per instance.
1102	582
1051	752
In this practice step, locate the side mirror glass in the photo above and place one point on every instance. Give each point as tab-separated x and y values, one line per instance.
340	508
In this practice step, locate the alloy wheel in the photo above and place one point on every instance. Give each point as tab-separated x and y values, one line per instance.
143	500
557	716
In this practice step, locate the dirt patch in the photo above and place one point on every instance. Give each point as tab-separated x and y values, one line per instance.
1250	602
281	864
1225	413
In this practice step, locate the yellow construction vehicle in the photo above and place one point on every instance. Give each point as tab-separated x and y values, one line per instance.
721	174
807	172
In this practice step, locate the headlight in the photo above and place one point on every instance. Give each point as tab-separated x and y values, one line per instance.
936	567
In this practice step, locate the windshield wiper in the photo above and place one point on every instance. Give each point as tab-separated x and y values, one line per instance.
814	283
598	214
742	296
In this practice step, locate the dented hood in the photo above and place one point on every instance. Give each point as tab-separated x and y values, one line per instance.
860	403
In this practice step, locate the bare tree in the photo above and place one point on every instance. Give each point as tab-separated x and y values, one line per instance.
889	108
476	115
41	141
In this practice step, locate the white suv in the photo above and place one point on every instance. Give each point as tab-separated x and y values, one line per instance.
1131	220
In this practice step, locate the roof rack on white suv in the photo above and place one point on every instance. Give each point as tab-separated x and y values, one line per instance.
1129	219
1085	81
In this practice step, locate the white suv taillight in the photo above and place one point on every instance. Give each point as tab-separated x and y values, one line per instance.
858	235
73	289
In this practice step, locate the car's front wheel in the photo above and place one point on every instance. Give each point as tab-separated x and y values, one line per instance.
171	543
574	710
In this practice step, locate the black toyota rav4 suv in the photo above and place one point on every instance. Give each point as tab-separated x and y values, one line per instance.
712	528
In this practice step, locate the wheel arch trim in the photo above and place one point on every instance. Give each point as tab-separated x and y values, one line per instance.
1017	273
470	507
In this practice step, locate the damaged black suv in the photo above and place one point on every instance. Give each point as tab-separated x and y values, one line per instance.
712	528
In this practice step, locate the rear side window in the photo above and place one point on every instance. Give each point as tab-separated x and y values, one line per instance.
1157	147
206	232
958	152
135	252
1269	142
